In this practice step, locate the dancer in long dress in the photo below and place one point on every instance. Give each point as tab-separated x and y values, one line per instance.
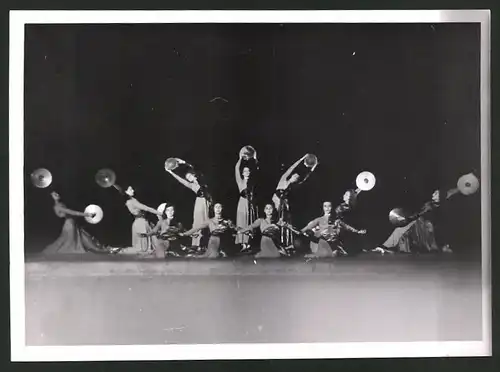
220	233
73	238
166	234
327	231
141	242
270	231
281	202
202	202
418	235
246	211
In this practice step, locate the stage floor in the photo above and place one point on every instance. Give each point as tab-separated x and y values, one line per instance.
368	298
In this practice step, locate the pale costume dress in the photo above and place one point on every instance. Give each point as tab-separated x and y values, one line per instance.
140	244
214	243
245	212
73	238
319	247
201	205
268	242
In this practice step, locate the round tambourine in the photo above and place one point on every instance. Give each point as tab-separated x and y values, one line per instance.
248	152
398	217
161	208
365	181
310	161
271	232
41	178
329	233
105	178
468	184
172	233
171	164
97	211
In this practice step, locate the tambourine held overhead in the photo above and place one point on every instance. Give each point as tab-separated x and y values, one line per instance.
171	164
398	217
41	178
105	178
365	181
468	184
97	211
248	152
311	161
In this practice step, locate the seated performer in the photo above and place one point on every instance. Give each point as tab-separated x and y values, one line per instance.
280	199
166	234
270	230
73	238
419	233
350	199
326	232
220	232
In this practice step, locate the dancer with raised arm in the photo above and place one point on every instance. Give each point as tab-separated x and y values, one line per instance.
288	180
73	238
203	199
246	210
270	240
326	231
220	232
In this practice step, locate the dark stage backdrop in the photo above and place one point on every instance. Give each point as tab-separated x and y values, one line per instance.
400	100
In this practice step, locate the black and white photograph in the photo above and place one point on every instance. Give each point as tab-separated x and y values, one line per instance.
249	184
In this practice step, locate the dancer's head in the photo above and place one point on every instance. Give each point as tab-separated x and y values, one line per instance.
327	207
294	178
130	191
269	210
191	176
169	211
246	173
350	196
218	209
436	196
55	196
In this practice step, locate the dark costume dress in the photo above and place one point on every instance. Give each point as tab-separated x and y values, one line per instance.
270	238
418	235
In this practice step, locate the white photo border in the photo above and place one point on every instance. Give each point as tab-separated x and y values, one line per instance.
21	352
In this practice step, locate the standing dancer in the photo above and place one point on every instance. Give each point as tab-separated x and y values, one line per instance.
220	229
73	238
270	240
245	213
203	198
327	231
141	242
280	197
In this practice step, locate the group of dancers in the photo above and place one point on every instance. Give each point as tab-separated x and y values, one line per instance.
212	235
